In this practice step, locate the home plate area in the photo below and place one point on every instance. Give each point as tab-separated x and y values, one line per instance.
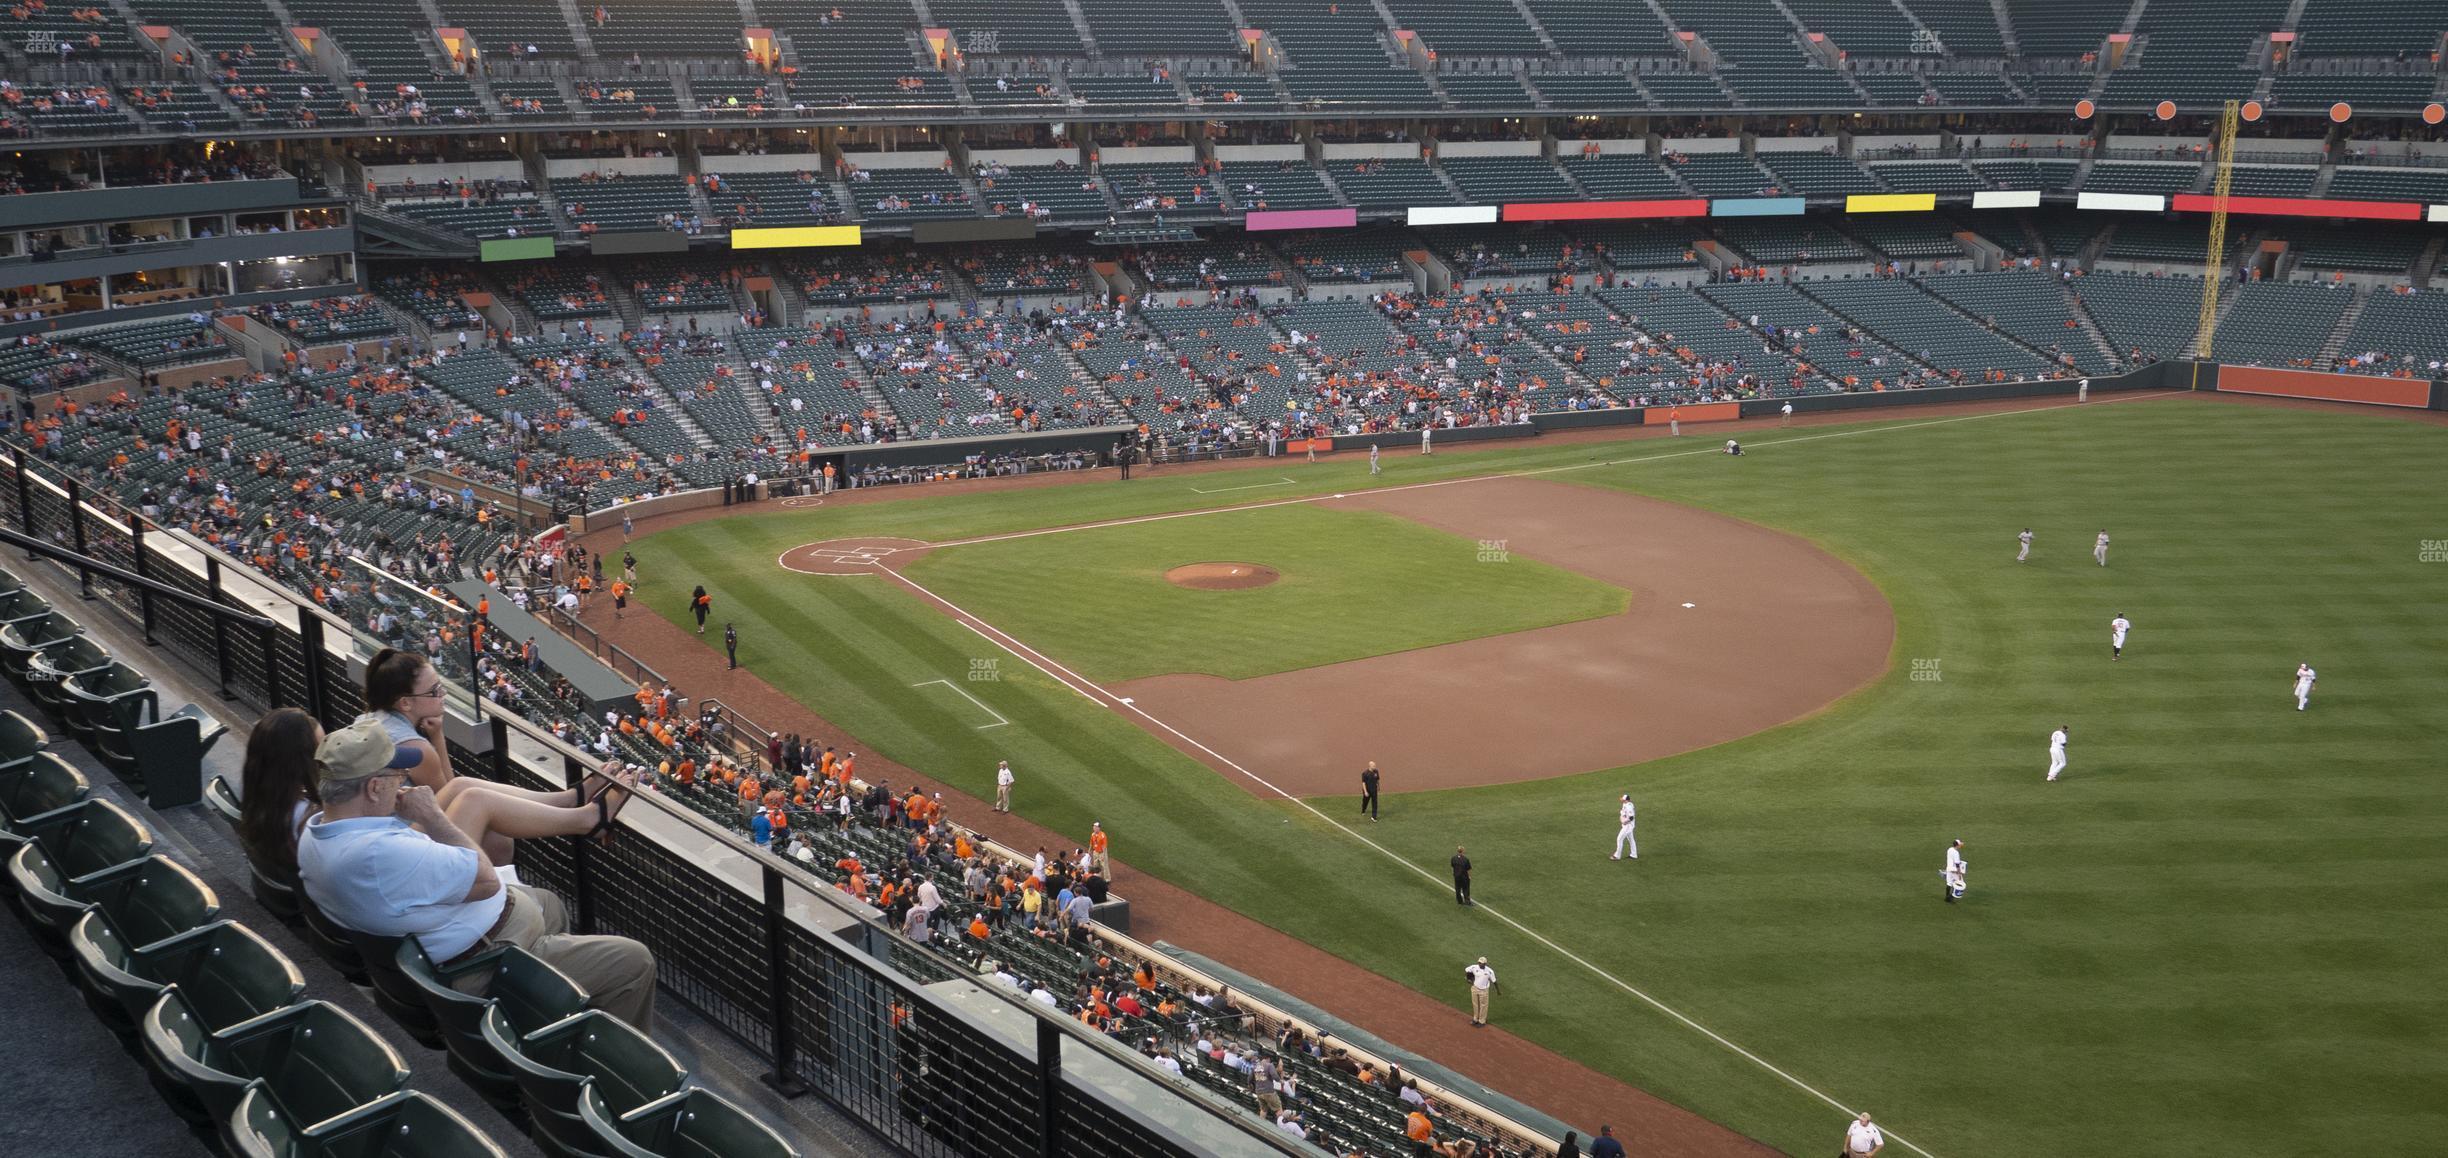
846	556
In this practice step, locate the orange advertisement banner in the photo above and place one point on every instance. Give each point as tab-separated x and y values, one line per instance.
1696	412
2414	392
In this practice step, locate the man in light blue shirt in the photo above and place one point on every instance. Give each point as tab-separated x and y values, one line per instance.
374	872
382	857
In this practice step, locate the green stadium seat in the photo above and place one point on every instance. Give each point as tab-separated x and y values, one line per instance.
224	802
21	740
92	695
314	1060
555	1063
227	972
275	886
161	756
692	1122
23	603
34	791
397	996
49	670
24	638
334	944
407	1124
530	993
150	897
91	835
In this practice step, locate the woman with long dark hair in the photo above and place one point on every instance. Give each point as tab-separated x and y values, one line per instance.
276	789
699	604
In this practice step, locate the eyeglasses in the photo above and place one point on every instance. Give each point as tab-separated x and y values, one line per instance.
427	694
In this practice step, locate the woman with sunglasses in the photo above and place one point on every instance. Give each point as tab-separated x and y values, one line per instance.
404	693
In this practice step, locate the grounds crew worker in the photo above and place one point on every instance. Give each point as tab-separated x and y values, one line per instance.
1482	979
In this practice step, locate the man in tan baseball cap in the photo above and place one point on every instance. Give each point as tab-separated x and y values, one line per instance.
359	752
383	858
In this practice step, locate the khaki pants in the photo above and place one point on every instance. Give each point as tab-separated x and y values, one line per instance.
1002	797
1271	1103
1479	998
617	973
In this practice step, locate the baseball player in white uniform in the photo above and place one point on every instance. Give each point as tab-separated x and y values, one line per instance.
2099	550
1785	416
2057	743
1373	467
2117	628
1623	831
2304	676
2023	551
1953	873
2082	391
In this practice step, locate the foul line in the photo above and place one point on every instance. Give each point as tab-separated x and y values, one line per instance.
1251	487
1533	472
1101	697
999	720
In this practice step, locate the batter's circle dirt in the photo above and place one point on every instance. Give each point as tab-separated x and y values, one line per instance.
1221	576
846	556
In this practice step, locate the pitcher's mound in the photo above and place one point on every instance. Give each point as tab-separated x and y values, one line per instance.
1221	576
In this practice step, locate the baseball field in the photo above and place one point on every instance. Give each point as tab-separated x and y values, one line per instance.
2224	930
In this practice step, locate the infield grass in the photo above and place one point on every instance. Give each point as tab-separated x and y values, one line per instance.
1353	584
2226	930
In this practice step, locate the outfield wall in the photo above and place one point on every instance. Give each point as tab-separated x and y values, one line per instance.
2414	393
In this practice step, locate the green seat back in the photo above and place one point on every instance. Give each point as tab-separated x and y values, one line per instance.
20	738
694	1123
314	1060
147	899
27	635
99	836
554	1062
78	653
22	603
115	679
531	993
229	975
323	1064
408	1124
43	784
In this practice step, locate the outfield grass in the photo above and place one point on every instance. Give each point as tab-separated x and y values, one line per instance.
1354	584
2222	932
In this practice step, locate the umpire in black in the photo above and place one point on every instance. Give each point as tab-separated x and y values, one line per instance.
1368	790
1461	868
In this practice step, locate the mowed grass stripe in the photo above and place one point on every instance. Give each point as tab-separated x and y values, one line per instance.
1353	584
2145	965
